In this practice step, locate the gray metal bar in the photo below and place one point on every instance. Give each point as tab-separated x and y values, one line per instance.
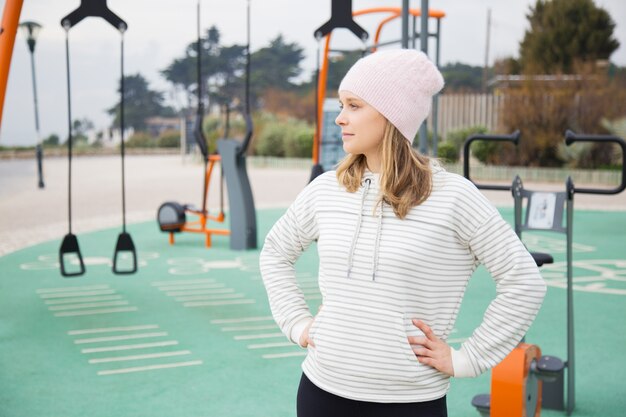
436	97
405	24
423	132
571	396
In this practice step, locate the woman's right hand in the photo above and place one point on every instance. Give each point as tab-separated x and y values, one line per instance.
305	340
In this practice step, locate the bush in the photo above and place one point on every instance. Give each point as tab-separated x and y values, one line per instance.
458	137
289	138
270	140
447	152
298	141
484	151
141	140
544	110
169	139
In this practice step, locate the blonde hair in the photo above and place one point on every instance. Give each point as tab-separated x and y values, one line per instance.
405	179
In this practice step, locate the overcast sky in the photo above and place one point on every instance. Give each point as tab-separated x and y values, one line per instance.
159	30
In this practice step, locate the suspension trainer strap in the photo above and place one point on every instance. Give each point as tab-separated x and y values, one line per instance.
69	249
124	240
69	129
122	136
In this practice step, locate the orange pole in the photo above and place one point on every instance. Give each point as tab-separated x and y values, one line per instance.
439	14
380	28
10	21
321	95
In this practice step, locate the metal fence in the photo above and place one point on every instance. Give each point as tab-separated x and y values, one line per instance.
460	111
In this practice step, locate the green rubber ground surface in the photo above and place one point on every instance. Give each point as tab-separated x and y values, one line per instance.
191	334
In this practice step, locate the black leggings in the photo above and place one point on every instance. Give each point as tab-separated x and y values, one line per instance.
315	402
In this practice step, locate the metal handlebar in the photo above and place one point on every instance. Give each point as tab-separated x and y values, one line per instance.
513	137
571	137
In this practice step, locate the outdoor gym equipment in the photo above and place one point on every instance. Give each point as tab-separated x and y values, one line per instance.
172	216
525	382
327	152
70	250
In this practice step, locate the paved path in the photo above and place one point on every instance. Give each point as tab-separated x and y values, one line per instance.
29	215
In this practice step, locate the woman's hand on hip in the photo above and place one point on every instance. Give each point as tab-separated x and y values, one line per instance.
431	350
305	339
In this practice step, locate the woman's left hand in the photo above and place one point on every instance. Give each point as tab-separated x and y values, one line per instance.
431	351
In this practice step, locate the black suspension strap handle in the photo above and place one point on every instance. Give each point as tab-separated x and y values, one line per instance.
513	137
571	137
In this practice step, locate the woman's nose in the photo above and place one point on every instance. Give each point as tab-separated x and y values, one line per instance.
340	120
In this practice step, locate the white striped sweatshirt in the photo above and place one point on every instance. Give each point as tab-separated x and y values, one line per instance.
377	272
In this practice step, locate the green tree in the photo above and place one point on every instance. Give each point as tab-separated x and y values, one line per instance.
52	140
462	77
183	72
80	128
563	33
226	83
276	65
140	102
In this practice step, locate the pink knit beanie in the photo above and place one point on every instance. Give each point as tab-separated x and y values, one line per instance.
398	83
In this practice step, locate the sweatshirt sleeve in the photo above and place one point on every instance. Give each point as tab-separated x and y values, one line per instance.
520	290
284	244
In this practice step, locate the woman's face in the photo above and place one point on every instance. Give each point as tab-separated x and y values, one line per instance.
362	126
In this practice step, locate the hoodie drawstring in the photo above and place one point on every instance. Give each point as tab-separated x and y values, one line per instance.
379	231
358	226
358	229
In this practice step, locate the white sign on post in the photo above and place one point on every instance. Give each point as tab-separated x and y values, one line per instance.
541	210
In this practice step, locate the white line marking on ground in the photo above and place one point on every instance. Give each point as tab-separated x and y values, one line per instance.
182	281
249	328
217	303
95	312
210	297
270	345
124	337
193	292
83	299
207	296
242	320
192	287
140	357
87	305
259	336
129	347
283	355
72	289
149	368
113	329
77	294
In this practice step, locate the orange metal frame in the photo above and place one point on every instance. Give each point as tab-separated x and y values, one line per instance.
200	225
508	383
10	21
396	12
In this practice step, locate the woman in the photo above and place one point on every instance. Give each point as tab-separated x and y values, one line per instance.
398	238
